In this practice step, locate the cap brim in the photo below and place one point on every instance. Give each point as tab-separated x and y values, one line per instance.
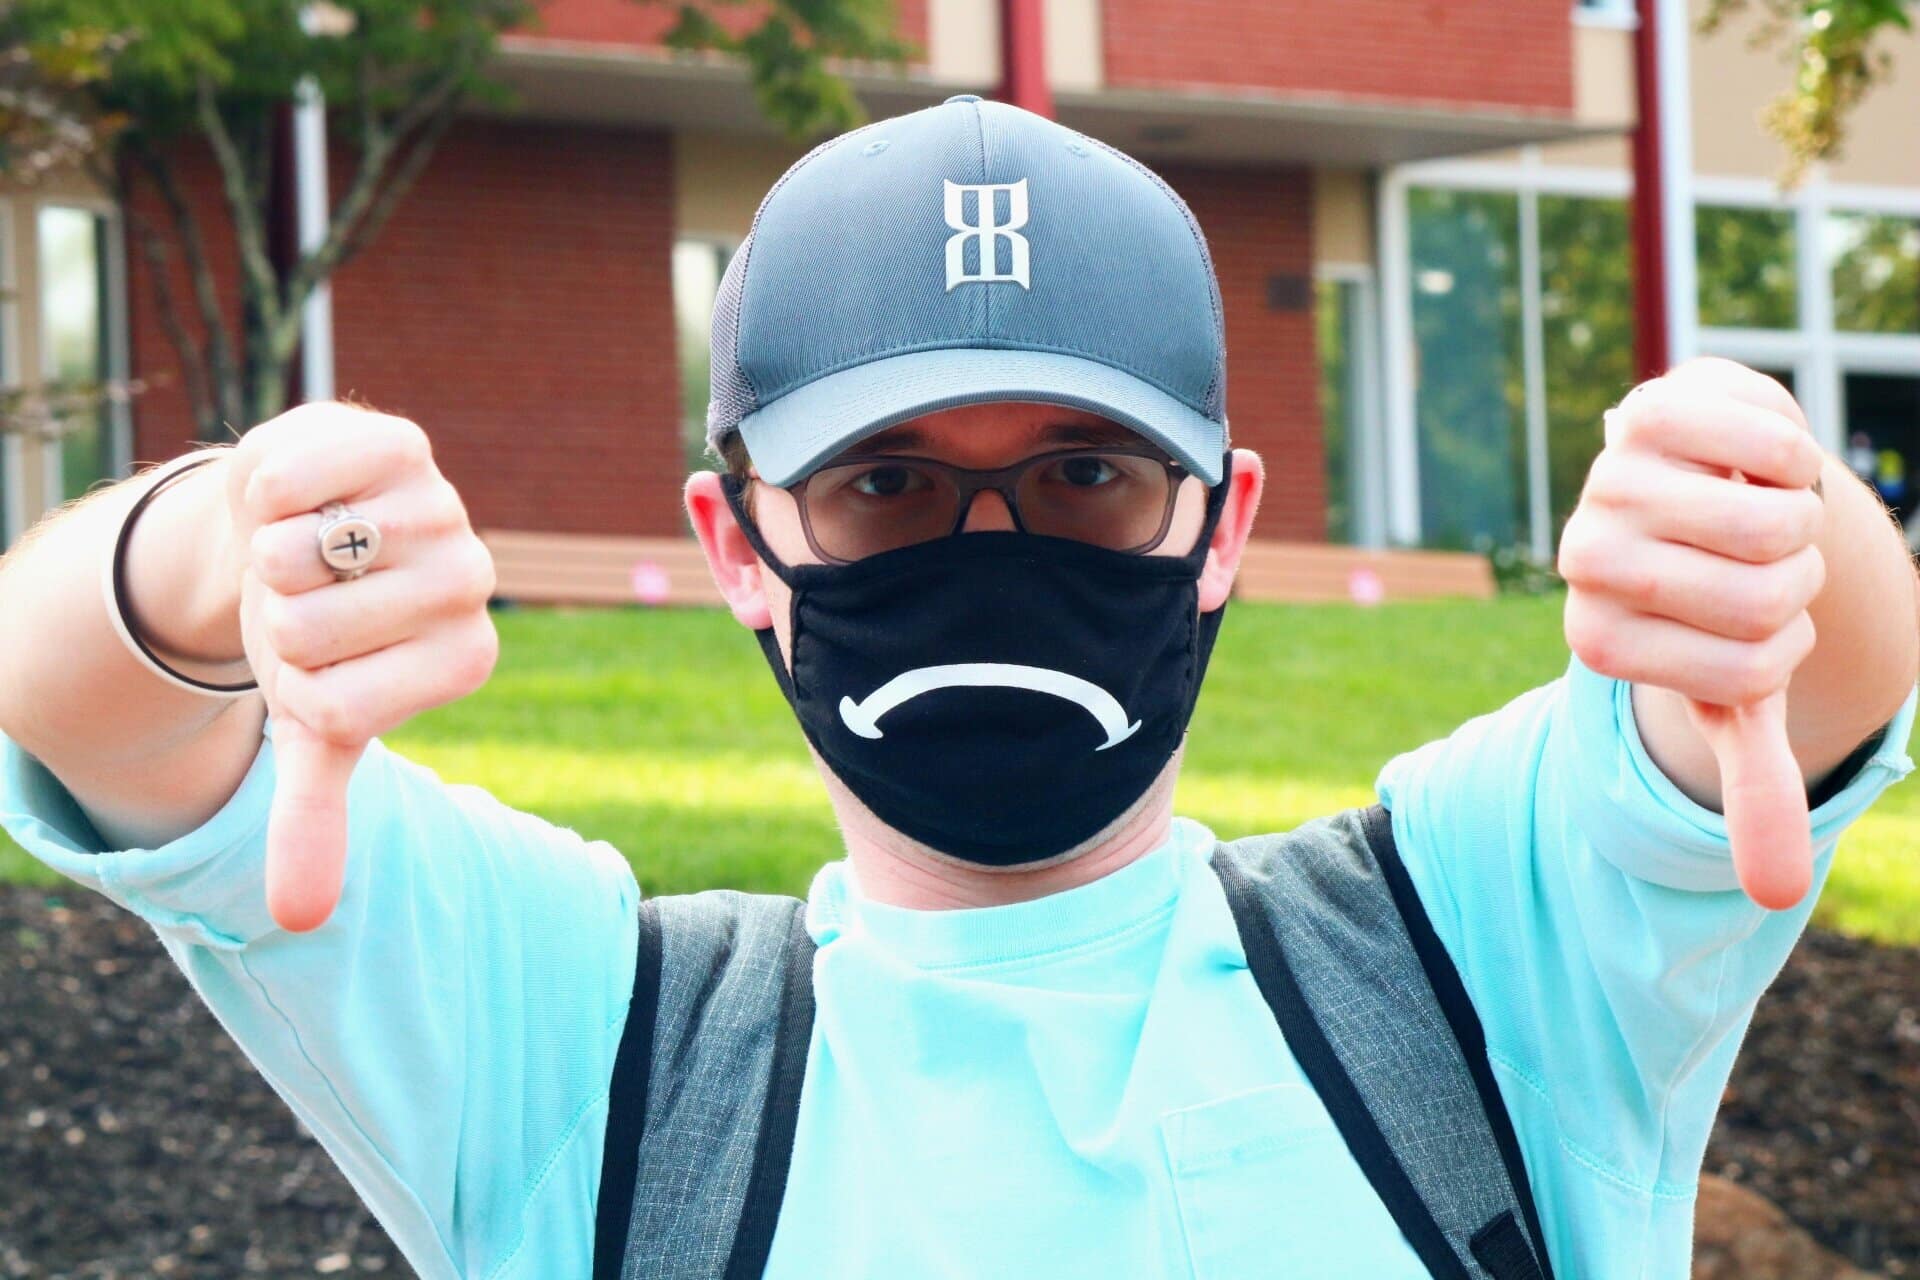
788	438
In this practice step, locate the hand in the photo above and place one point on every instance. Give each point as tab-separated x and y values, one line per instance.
1690	563
342	662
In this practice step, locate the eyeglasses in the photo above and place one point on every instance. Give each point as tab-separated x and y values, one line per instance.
1120	499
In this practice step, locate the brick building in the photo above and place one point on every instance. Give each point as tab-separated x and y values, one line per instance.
1416	208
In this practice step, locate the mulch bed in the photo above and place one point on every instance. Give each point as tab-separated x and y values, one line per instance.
136	1141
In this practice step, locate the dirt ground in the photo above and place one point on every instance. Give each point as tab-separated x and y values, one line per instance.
136	1141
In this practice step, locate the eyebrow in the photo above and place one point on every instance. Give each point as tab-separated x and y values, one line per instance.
1091	434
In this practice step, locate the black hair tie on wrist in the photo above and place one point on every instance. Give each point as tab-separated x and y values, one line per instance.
118	580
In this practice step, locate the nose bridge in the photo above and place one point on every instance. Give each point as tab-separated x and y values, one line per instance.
987	512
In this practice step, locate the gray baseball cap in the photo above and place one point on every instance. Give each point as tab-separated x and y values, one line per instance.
966	253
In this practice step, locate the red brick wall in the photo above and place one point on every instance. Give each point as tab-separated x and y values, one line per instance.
519	306
162	412
1259	228
631	23
1500	53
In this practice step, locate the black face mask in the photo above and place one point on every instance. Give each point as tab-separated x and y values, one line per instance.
999	697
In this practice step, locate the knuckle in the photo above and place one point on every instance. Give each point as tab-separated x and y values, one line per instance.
285	629
333	716
1753	673
448	507
267	553
1579	556
1609	481
475	656
410	444
1763	610
270	488
1589	636
478	577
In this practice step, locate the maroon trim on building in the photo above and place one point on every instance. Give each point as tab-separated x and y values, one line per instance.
1650	351
1023	57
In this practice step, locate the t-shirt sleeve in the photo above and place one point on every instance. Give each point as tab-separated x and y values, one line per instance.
448	1034
1593	912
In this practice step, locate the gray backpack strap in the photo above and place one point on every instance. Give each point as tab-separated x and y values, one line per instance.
706	1088
1375	1012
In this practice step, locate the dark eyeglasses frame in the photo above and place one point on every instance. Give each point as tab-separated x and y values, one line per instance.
1005	481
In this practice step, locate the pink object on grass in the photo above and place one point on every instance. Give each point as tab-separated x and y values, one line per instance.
650	583
1365	587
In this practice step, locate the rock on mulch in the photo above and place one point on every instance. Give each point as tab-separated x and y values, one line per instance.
136	1141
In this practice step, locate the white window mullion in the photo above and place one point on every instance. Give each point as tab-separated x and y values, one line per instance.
1819	386
1533	367
1401	454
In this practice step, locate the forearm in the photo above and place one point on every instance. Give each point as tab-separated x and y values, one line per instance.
145	759
1867	623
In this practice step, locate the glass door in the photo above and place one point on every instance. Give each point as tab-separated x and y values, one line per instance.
1882	417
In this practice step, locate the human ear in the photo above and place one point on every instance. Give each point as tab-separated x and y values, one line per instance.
735	566
1244	487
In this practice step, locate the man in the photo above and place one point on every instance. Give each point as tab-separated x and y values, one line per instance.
981	513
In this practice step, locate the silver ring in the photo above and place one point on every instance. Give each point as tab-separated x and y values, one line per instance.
349	542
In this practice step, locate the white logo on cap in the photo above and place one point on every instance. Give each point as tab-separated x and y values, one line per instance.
987	231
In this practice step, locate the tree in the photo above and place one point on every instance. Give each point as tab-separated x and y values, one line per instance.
49	122
1839	54
394	74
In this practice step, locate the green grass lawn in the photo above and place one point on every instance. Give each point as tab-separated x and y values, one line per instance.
663	733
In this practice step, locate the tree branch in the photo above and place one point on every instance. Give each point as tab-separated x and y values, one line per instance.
376	188
406	171
153	249
256	263
224	397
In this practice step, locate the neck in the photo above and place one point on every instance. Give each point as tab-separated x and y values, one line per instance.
899	871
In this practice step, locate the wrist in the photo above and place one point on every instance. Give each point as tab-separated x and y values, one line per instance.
182	575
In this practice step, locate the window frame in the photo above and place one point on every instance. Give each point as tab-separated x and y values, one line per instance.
113	267
13	453
1367	443
1819	356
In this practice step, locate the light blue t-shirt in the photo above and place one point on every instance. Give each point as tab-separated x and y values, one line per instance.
1083	1085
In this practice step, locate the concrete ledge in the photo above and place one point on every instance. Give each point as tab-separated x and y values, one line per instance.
565	568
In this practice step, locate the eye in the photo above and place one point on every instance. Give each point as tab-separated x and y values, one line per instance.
888	482
1087	471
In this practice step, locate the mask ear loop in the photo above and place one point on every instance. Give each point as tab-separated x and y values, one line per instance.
1216	503
735	490
736	494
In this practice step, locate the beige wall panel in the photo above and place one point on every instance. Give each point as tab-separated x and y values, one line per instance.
1733	83
963	41
1590	153
1603	76
60	183
1072	44
1883	139
719	180
1342	216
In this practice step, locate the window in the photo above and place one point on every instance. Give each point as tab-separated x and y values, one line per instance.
1746	265
1883	437
74	344
697	268
1876	272
1336	316
1469	386
1586	319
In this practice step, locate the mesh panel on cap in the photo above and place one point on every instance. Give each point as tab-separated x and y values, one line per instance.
732	396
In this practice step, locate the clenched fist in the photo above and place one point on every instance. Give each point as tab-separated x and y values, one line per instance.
1691	562
342	662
